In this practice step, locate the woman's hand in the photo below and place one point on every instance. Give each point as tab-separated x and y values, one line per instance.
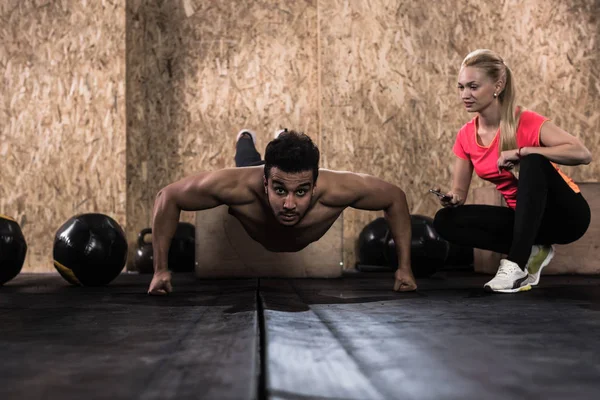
508	159
451	199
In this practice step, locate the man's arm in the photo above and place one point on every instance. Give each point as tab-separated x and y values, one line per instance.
366	192
199	192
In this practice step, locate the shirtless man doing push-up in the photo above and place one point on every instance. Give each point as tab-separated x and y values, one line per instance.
284	205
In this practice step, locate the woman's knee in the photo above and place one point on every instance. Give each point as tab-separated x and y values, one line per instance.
533	160
443	221
533	167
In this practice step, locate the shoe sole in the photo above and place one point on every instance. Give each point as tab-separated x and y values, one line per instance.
519	289
544	264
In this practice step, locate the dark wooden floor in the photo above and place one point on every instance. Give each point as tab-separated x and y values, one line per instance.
350	338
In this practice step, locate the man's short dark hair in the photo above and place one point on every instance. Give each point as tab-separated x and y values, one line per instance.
292	152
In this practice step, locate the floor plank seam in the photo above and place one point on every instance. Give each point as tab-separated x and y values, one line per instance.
262	347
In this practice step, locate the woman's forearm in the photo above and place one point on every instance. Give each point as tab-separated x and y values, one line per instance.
564	154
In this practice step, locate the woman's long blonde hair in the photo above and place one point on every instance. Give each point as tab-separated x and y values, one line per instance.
495	68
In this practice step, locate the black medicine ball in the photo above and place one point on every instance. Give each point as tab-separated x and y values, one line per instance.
13	249
90	250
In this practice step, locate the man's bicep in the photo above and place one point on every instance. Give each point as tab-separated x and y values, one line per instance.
192	193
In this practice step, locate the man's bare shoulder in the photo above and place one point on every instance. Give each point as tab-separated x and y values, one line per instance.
236	185
244	173
337	188
329	178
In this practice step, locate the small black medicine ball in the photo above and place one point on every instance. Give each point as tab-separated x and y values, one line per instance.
90	250
372	243
13	249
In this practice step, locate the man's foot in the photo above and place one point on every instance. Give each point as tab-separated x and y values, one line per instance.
405	281
540	257
510	278
279	132
246	133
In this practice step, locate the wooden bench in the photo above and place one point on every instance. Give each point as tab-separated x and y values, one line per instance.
225	250
579	257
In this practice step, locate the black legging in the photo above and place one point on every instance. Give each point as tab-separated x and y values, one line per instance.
246	154
548	211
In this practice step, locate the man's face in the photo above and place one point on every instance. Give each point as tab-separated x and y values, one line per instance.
289	194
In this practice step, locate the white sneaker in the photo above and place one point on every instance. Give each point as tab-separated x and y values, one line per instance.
240	133
540	257
279	132
510	278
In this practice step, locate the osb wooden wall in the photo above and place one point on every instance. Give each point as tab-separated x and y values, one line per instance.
373	82
62	116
